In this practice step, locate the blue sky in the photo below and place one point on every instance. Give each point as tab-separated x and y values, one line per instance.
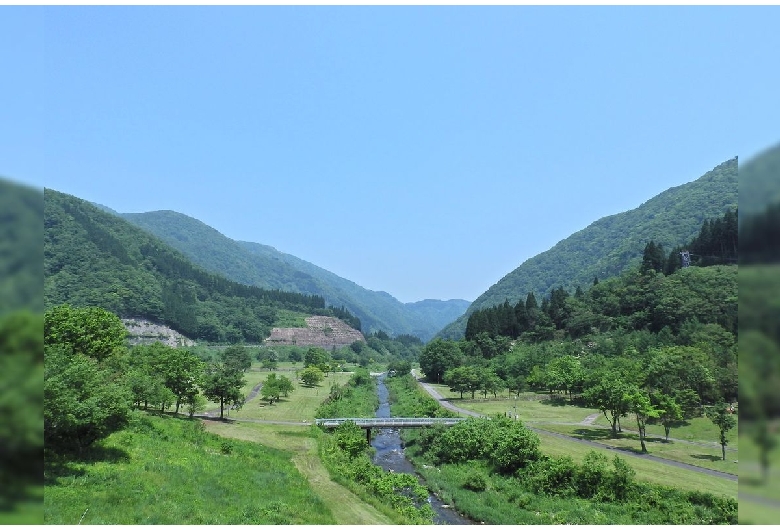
422	151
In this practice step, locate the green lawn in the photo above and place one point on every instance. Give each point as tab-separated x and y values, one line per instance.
298	406
750	476
695	455
751	512
646	470
554	415
696	429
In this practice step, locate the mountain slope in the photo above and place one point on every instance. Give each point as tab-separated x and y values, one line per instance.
264	266
759	185
612	244
92	257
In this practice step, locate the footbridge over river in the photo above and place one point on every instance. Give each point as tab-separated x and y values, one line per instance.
387	423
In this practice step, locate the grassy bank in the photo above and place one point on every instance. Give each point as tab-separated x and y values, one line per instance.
166	470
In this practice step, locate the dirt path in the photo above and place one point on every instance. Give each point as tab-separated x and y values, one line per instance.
346	507
590	419
446	404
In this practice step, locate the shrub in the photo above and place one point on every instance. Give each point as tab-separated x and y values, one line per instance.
552	476
475	481
513	445
351	439
591	475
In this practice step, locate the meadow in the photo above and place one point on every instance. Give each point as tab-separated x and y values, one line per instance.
168	470
560	416
695	443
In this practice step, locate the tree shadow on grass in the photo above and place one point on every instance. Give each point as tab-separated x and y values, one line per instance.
70	465
598	434
711	458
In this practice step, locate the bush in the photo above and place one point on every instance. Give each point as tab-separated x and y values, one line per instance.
591	475
351	439
619	482
513	445
552	476
475	481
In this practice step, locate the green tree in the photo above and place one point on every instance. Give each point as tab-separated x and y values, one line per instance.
285	385
512	445
271	390
222	384
182	371
653	258
318	357
458	379
83	401
612	397
236	357
721	415
350	439
644	411
437	357
311	376
91	331
671	413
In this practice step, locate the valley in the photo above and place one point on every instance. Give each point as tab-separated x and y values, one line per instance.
569	393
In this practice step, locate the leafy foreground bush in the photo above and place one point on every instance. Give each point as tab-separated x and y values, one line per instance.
163	470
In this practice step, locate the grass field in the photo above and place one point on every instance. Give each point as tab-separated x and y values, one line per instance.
750	477
347	508
696	455
298	406
167	470
559	416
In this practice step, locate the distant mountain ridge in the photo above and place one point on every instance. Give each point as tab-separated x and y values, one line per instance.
264	266
610	245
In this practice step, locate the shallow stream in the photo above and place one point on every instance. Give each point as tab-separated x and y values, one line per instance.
390	456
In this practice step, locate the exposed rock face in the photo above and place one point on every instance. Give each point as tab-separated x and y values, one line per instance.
145	332
325	332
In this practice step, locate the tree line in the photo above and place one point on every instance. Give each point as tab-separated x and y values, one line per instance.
662	348
92	380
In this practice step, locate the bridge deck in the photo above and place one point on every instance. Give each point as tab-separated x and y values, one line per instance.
370	423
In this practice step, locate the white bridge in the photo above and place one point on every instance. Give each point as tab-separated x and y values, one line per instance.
387	423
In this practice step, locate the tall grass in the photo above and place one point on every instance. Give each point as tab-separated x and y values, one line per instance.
165	470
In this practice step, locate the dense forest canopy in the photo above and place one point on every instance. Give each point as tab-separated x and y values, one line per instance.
92	258
614	243
265	267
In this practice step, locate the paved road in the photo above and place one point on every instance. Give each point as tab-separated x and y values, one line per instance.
447	405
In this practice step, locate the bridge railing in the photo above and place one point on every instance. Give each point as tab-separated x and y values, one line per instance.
388	422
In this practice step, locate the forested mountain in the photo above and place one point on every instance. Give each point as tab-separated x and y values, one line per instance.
264	266
759	185
21	267
93	258
612	244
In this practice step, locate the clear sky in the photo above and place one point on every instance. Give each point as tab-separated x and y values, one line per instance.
422	151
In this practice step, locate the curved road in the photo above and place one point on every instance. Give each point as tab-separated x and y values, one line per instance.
447	405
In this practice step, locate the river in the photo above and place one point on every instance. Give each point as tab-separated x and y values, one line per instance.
390	456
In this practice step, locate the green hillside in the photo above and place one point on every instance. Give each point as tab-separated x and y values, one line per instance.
21	267
612	244
93	258
759	185
264	266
